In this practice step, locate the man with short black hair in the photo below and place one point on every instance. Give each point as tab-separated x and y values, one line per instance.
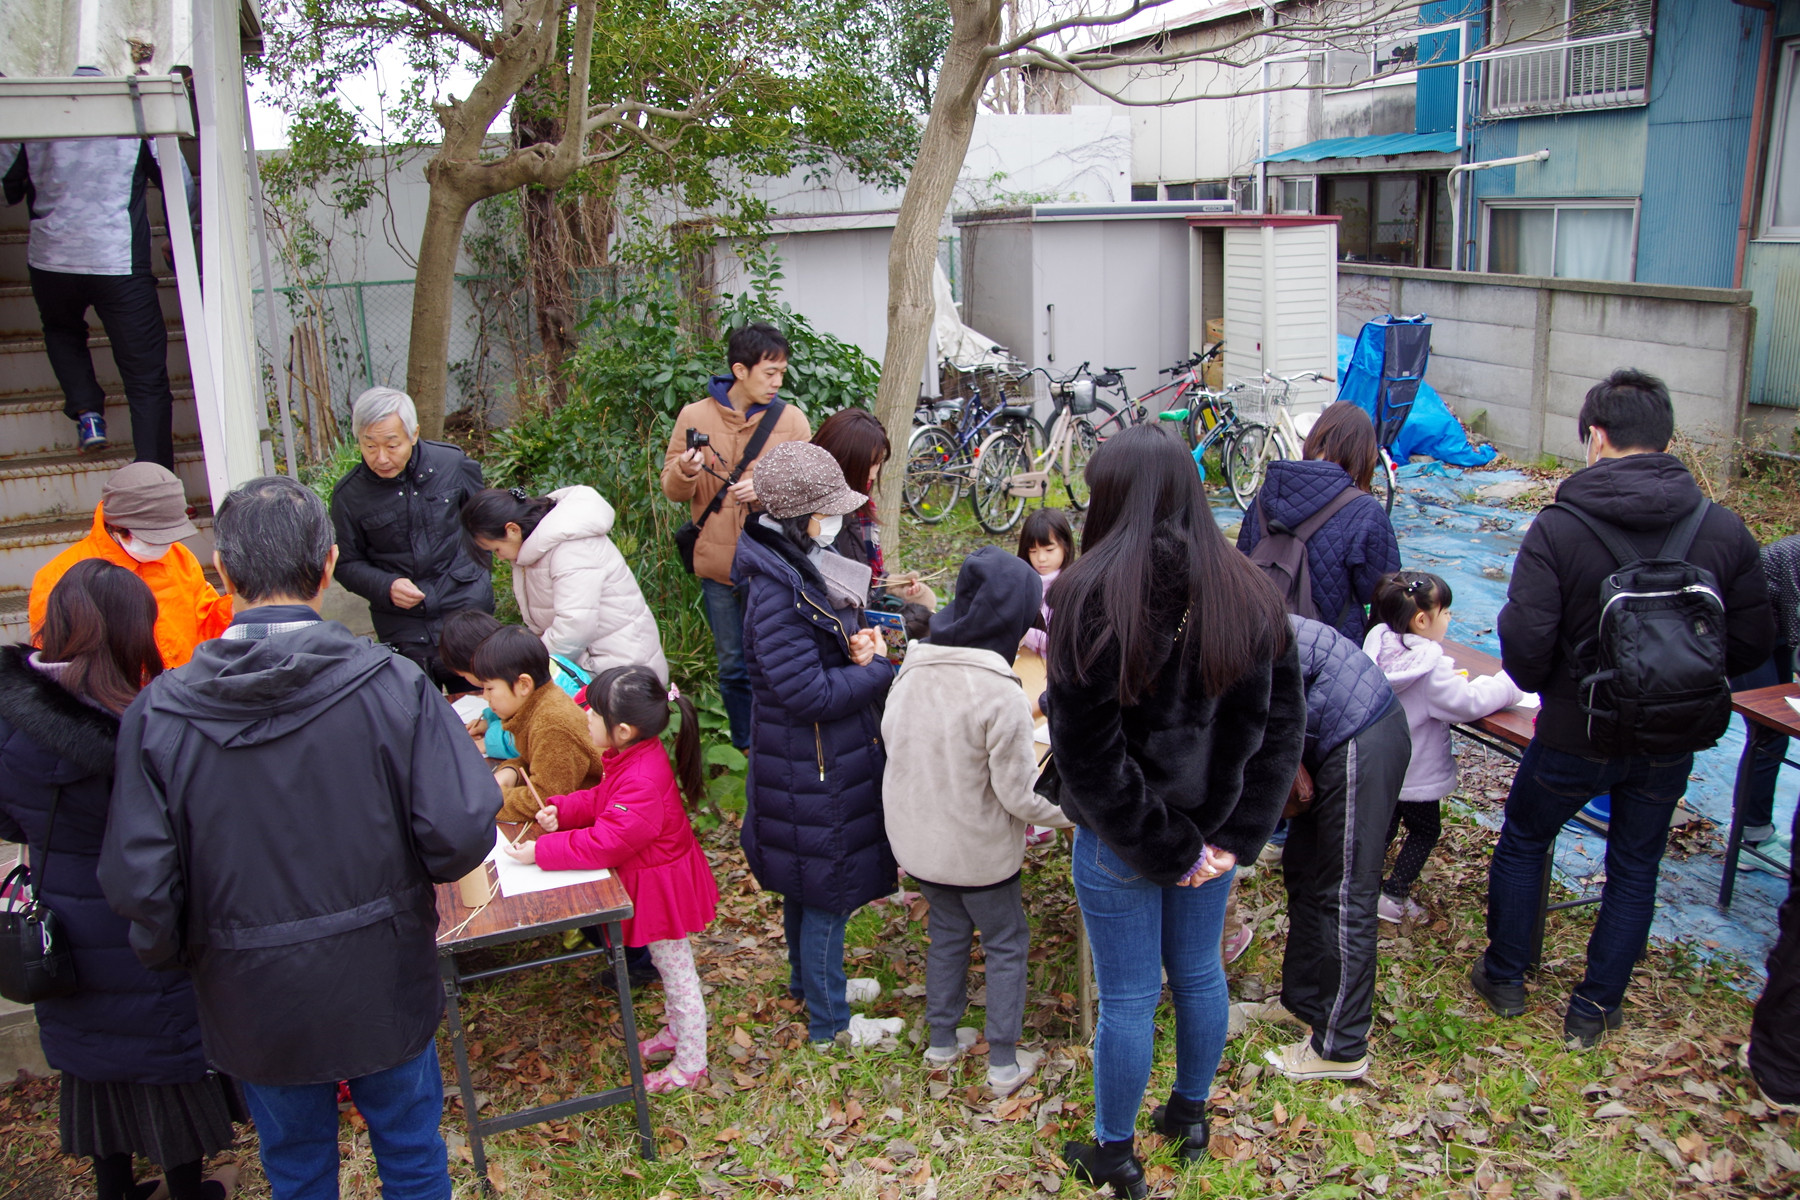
282	806
1634	493
729	419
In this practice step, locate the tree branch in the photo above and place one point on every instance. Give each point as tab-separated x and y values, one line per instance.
449	25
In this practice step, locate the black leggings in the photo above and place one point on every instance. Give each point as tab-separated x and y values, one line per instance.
1424	823
112	1180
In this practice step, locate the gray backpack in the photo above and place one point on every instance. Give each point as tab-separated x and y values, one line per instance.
1282	553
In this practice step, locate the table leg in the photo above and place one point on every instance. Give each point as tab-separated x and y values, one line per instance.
1084	979
458	1048
1735	843
1543	909
615	934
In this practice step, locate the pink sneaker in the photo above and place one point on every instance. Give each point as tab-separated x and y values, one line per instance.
1037	835
662	1043
1234	946
670	1079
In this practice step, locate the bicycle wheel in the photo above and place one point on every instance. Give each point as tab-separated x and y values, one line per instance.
1383	482
1001	457
1071	476
1247	455
1105	420
933	481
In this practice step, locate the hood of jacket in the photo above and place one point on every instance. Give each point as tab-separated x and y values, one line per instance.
923	656
998	596
1295	491
1637	492
1404	658
54	717
580	513
242	692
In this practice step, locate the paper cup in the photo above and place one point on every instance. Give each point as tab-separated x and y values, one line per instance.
474	888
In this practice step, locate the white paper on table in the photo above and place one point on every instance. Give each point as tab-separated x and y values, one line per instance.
1041	735
1792	703
1528	700
517	878
469	707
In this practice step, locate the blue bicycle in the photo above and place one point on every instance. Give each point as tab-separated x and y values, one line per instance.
946	440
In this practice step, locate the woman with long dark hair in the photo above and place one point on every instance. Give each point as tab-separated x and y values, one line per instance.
135	1079
574	588
1177	715
1347	556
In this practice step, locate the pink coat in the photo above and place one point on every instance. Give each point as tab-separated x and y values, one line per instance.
634	822
1434	696
1038	640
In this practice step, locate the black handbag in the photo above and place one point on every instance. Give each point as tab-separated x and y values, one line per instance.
688	536
35	960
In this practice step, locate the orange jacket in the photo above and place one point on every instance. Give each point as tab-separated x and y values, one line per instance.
188	610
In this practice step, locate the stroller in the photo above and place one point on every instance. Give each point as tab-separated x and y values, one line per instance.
1383	377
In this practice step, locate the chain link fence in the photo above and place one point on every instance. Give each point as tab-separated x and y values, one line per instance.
333	341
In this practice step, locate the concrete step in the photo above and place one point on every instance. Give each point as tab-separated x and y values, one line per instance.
15	626
34	423
19	312
47	486
25	368
25	546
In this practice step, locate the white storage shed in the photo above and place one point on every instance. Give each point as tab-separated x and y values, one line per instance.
1274	280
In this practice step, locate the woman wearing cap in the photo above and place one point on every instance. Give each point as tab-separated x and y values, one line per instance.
813	826
142	517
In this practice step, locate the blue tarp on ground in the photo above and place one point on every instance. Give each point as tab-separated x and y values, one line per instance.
1448	526
1431	428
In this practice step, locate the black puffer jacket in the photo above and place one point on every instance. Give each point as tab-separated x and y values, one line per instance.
410	527
1553	602
127	1024
1159	780
281	810
813	824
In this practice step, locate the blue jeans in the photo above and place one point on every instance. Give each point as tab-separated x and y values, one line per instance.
1136	930
298	1130
725	614
815	941
1757	806
1550	787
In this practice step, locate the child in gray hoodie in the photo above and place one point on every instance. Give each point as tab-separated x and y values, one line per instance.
957	797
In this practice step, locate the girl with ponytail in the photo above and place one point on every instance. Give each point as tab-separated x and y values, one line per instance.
634	823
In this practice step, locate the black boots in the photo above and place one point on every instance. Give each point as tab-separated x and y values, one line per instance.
1109	1162
1184	1123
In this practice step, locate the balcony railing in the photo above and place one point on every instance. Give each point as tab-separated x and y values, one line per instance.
1598	72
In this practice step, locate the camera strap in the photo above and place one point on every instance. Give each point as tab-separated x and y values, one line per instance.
758	439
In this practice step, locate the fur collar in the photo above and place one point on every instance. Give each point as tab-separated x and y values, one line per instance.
51	716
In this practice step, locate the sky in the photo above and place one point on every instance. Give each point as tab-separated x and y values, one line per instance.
270	123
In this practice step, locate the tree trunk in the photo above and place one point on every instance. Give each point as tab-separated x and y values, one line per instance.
537	119
975	25
434	290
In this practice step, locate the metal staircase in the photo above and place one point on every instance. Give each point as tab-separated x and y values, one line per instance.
48	488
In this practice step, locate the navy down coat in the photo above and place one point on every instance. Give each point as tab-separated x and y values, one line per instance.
813	826
127	1024
1349	554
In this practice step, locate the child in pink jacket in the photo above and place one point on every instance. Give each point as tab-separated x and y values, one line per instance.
1413	611
634	823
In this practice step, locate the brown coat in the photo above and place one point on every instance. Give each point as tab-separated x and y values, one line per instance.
554	749
730	433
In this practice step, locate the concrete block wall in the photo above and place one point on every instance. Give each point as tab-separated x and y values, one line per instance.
1515	355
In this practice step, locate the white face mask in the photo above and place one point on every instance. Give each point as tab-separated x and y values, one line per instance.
141	551
828	530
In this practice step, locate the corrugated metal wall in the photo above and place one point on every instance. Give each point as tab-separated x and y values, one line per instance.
1772	272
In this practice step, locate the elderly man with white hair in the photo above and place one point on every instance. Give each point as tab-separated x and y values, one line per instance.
398	530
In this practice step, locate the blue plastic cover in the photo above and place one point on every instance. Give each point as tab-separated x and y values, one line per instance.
1430	429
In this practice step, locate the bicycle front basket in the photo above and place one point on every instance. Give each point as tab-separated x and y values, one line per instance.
1082	398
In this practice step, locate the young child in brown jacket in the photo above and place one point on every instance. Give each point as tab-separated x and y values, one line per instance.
550	731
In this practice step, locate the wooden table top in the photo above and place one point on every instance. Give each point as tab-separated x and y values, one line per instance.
1511	725
1768	706
515	918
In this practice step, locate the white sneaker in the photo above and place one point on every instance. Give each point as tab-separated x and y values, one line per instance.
867	1031
1270	855
862	991
1007	1080
1395	911
943	1056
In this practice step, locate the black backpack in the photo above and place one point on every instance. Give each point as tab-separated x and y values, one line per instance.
1282	553
1652	678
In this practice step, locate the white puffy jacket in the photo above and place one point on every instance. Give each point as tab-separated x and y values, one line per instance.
1435	696
577	593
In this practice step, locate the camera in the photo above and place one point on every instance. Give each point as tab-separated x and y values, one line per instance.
696	439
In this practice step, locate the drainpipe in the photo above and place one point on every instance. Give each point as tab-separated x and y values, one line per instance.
1753	154
1262	148
1456	194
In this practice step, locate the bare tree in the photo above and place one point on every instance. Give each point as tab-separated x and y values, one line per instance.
1047	38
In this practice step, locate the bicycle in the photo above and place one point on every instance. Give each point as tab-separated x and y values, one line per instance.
1129	412
1008	472
938	461
1264	442
1214	421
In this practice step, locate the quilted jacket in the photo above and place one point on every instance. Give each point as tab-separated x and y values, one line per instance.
813	825
577	593
1348	556
1345	692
